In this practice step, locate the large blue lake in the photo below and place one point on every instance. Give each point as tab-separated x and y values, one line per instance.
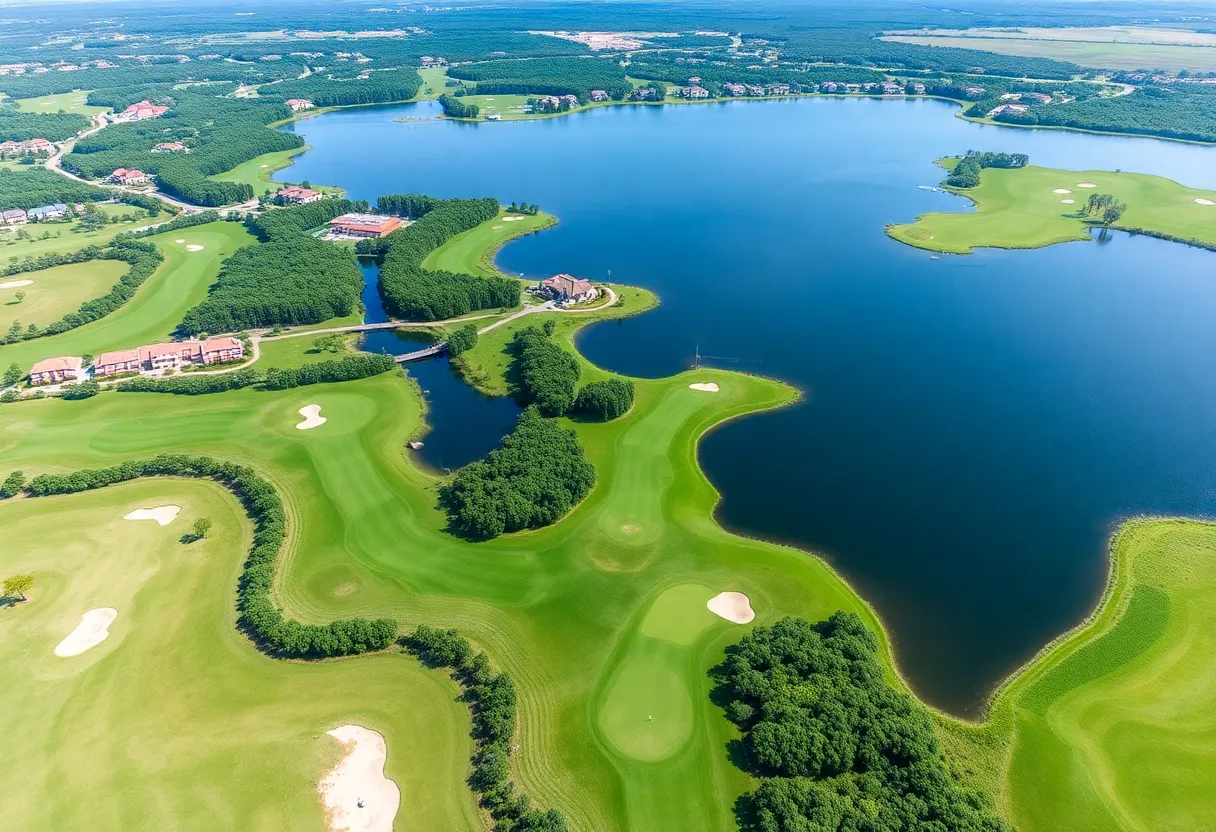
973	427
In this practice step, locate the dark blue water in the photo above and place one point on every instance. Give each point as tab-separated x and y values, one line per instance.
973	427
464	424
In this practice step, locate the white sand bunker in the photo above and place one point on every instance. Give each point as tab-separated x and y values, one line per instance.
93	629
1200	201
17	284
312	417
705	386
179	242
1068	202
511	219
194	248
733	606
164	515
356	794
1061	191
1086	185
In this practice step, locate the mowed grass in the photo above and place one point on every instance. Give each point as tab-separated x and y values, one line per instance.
258	172
472	252
175	721
69	102
65	236
157	307
510	107
1018	208
54	292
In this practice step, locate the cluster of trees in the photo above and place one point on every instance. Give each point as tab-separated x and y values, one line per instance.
462	340
179	222
455	108
143	258
12	485
191	385
966	173
492	701
547	76
1106	207
294	279
412	292
378	87
411	206
81	390
547	374
523	208
259	618
605	400
532	479
350	368
834	746
18	126
295	221
714	74
35	186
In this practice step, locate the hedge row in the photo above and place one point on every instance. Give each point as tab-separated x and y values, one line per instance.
191	385
352	367
179	222
258	616
492	700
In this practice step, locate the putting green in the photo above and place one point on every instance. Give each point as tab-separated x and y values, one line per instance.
679	614
1019	208
647	714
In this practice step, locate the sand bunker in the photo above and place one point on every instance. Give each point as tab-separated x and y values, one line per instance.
1086	185
1200	201
1061	191
733	606
511	219
93	629
705	386
164	515
17	284
179	242
1068	202
194	248
312	417
356	794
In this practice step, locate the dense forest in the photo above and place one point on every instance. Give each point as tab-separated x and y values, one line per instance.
835	747
17	126
32	186
492	700
287	223
413	292
547	76
546	373
397	85
532	479
714	72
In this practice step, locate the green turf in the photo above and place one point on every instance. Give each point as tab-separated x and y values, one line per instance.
679	615
1017	208
647	713
66	236
55	292
433	79
158	305
472	252
69	102
257	172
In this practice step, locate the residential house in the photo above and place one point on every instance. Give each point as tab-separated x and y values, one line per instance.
566	288
974	92
14	217
364	225
916	89
734	89
170	147
1036	97
141	110
572	100
297	104
777	89
184	353
599	95
1009	109
829	86
643	94
56	370
297	195
694	91
129	176
891	88
36	146
117	362
54	211
427	61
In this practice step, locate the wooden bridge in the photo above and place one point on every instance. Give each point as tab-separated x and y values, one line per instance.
417	355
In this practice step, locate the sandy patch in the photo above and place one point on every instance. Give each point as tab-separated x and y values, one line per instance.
263	166
164	515
356	794
511	219
1068	202
17	284
93	629
1199	201
312	417
179	242
194	248
495	228
704	386
1061	191
1086	185
733	606
630	528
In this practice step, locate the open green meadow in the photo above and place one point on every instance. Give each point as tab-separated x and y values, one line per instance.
1019	208
158	305
433	80
510	107
69	102
52	293
473	251
257	172
66	236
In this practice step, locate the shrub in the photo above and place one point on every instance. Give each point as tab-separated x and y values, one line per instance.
81	390
12	485
547	373
605	400
188	385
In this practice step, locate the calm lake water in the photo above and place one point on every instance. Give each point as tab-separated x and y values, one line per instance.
973	427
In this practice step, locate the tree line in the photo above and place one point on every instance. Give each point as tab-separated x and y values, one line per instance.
455	108
532	479
18	126
492	701
548	375
258	617
833	746
378	87
966	172
547	76
349	368
411	291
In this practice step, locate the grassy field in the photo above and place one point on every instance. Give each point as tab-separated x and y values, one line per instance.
158	305
473	251
508	106
433	79
53	293
69	102
66	236
257	171
1019	208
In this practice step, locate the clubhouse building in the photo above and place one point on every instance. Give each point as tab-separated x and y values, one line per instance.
567	289
160	357
362	225
57	370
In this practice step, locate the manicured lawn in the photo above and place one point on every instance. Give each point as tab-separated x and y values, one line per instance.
508	106
433	80
1020	209
473	251
157	308
52	293
257	171
67	236
70	102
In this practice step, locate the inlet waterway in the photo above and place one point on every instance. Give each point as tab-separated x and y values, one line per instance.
973	427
